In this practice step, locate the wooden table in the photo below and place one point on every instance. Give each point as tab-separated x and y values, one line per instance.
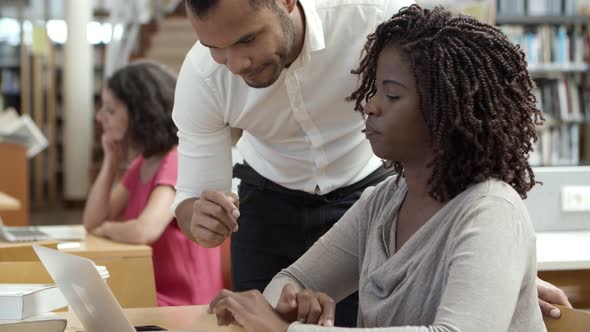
563	259
187	318
22	251
130	267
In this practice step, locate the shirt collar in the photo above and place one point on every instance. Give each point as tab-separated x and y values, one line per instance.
314	30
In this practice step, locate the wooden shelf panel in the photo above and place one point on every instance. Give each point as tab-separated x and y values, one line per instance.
538	20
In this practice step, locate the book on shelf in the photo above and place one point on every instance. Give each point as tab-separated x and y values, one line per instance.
560	99
48	322
585	98
511	7
557	146
20	301
10	81
543	7
548	44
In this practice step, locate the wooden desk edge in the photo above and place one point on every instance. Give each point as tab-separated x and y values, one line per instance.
171	318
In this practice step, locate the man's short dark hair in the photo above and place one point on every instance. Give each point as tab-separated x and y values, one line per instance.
202	7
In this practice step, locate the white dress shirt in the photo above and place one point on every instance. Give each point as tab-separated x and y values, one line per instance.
299	132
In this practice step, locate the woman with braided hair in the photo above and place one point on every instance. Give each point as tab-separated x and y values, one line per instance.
447	243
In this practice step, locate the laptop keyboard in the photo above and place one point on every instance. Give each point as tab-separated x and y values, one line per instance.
19	234
27	233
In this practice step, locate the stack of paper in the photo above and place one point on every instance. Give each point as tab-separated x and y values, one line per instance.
20	301
42	323
21	130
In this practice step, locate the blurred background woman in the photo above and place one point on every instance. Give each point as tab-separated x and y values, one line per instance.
135	117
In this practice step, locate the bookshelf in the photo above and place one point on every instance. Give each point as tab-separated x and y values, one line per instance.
537	20
9	77
555	36
540	69
32	84
29	86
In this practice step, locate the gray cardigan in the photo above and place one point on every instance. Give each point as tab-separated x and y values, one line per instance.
471	267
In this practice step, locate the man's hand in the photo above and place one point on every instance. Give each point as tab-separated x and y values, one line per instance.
249	310
549	295
214	217
307	306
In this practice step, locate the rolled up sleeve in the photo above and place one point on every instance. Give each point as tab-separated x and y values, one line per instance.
204	139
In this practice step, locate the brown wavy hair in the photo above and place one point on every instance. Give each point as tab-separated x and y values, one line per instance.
147	89
475	96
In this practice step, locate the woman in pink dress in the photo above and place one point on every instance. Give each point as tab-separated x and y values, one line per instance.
137	102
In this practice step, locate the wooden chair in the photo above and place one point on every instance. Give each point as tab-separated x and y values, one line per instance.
571	320
574	284
226	263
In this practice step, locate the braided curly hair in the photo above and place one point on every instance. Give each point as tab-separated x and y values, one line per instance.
475	97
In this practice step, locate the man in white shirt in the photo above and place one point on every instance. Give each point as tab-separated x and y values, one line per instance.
279	70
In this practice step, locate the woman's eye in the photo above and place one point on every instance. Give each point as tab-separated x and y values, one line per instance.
392	98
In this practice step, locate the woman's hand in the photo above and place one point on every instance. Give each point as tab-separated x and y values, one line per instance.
100	231
247	309
113	150
307	306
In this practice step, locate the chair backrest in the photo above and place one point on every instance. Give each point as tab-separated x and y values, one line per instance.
226	263
571	320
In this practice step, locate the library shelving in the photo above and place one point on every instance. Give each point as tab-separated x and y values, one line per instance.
555	36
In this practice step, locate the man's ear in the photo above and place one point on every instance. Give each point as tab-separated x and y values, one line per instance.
290	4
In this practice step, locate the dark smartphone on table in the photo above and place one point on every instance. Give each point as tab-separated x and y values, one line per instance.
149	328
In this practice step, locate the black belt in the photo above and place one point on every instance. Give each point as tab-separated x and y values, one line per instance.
248	175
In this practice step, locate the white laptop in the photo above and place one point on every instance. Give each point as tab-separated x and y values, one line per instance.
22	233
87	294
40	233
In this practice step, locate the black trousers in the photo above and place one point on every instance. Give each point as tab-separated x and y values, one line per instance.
277	225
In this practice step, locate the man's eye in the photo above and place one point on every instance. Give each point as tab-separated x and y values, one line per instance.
249	39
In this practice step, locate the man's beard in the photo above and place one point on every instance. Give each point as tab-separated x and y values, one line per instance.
289	35
277	68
